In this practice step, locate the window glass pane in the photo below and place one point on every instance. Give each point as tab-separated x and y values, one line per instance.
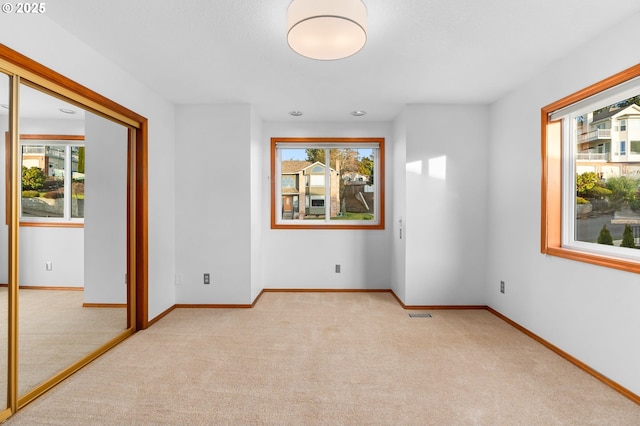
292	182
607	173
352	193
43	180
315	197
77	181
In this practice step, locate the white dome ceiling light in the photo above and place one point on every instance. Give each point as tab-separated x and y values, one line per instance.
326	29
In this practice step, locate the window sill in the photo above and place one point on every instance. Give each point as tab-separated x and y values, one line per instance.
52	224
594	259
330	226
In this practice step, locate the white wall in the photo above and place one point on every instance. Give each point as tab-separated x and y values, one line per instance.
259	189
105	208
213	204
72	58
63	247
446	215
307	258
398	233
588	311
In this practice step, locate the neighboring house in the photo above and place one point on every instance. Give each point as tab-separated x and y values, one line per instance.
609	143
303	180
48	158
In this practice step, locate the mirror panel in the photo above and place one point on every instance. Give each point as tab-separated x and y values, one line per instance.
4	242
73	258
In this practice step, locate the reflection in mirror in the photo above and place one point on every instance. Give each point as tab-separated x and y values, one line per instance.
73	294
4	246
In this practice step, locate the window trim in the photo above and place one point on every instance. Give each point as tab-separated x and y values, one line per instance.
551	179
380	177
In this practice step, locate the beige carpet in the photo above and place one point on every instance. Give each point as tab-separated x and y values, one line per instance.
54	332
329	358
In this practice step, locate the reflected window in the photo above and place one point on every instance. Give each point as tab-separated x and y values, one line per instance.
52	179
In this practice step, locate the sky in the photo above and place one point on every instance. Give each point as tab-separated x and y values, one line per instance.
300	154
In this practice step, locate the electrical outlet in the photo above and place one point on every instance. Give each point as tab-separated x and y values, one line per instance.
337	269
501	286
207	278
48	266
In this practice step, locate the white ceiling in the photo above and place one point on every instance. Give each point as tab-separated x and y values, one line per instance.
417	51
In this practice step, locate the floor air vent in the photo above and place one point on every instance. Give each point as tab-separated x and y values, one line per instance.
419	315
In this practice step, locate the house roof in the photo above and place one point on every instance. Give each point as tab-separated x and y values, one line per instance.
289	190
603	115
318	163
293	166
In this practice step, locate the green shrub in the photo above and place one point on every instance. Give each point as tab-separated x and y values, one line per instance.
580	200
30	194
623	190
32	178
585	182
599	192
627	238
605	236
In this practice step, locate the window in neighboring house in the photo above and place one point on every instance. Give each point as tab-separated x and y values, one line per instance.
344	192
623	125
591	209
52	179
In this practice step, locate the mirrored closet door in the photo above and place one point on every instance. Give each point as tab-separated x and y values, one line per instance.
73	224
73	243
4	242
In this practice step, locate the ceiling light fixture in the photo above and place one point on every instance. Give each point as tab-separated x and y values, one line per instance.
67	111
326	29
295	113
358	113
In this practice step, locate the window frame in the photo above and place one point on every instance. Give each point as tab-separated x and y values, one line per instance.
379	183
551	228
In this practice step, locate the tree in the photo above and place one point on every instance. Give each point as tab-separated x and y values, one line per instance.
627	238
33	178
605	236
347	157
314	154
585	182
623	190
81	159
366	168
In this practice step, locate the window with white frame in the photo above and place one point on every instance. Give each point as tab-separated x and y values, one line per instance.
327	183
591	198
53	170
